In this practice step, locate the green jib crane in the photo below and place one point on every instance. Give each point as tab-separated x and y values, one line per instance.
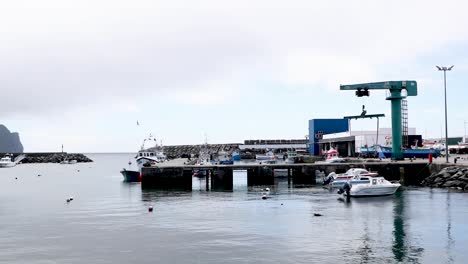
396	95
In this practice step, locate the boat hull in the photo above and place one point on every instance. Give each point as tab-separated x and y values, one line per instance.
131	176
367	191
407	153
263	157
7	165
340	183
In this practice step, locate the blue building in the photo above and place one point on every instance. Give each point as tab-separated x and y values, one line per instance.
319	127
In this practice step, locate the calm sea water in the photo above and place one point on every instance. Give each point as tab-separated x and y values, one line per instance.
108	221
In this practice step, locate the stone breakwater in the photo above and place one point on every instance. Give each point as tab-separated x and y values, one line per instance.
54	157
184	151
451	177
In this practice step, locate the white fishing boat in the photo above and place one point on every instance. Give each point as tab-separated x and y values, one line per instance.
205	155
7	162
369	186
333	157
269	155
151	153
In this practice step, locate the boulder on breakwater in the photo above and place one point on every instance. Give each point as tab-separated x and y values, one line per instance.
450	177
54	157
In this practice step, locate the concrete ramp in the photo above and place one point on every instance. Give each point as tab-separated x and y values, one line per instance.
19	158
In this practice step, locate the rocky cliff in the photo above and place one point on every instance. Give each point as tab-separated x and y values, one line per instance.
9	141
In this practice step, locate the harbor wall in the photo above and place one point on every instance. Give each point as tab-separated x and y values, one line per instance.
408	173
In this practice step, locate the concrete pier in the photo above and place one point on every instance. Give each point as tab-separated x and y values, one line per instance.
220	177
167	178
262	175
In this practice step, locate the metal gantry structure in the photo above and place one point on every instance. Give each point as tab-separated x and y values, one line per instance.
395	97
363	116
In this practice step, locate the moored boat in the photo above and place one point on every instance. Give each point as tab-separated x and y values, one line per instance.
370	186
236	155
422	153
333	157
131	176
338	180
291	157
269	155
7	162
150	155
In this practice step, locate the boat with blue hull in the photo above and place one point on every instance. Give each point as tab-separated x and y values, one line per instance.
131	175
236	156
407	153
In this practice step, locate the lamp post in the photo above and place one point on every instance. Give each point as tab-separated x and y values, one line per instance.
464	135
445	69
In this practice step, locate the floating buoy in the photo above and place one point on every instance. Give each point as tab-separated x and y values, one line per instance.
264	197
281	204
38	175
150	209
317	214
16	178
267	189
68	200
71	198
78	170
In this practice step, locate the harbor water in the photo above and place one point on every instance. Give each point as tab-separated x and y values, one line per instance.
108	221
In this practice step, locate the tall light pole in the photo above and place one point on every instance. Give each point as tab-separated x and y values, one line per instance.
464	135
445	69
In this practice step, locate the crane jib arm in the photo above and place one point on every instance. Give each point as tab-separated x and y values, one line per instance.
410	86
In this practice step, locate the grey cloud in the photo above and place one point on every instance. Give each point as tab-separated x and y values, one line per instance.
66	70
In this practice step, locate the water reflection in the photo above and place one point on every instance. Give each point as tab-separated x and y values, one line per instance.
450	241
402	249
365	250
155	194
398	247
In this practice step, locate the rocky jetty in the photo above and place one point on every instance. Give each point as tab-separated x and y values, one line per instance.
54	157
451	177
183	151
9	141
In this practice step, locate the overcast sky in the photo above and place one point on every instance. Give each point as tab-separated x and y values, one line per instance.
81	73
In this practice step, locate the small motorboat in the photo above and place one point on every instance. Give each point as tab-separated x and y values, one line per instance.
131	176
369	186
337	180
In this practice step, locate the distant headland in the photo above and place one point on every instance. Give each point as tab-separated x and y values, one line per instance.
10	141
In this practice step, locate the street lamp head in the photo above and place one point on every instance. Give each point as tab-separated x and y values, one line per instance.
443	68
